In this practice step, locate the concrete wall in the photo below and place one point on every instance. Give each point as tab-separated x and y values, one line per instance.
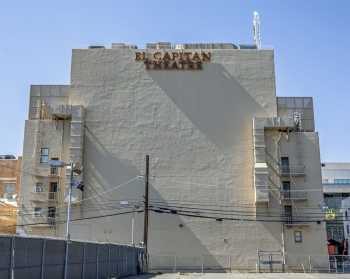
196	126
303	149
43	133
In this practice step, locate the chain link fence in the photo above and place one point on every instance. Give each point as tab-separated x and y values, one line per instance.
268	262
44	258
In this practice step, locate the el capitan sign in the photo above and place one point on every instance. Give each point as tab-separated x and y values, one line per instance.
173	60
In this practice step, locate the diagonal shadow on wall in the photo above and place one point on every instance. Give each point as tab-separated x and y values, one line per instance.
212	99
104	170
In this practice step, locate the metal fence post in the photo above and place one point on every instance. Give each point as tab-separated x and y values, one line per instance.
65	275
270	262
310	266
83	264
202	264
230	263
126	264
12	260
336	266
97	252
109	261
43	259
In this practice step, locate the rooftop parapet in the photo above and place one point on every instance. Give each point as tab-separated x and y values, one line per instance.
181	46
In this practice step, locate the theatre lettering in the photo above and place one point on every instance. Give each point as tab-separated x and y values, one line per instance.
173	60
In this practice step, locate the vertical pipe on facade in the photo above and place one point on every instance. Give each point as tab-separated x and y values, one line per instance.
282	225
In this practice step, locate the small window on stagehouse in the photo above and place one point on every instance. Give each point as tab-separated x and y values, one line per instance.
39	187
38	211
298	237
44	155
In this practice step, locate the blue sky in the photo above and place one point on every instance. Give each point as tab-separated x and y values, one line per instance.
311	40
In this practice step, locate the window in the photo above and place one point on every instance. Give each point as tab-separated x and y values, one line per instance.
285	164
38	211
53	190
298	236
44	155
288	213
286	189
54	170
51	214
342	181
347	229
9	190
39	187
53	187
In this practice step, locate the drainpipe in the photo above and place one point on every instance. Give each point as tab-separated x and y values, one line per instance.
282	225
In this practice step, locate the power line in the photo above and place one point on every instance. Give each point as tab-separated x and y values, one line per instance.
221	218
80	219
222	204
233	212
101	193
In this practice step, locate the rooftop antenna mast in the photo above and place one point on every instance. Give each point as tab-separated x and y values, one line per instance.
256	29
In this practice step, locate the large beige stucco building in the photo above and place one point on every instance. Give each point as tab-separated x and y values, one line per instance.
242	164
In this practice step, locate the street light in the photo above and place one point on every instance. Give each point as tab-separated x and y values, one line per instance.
62	164
126	203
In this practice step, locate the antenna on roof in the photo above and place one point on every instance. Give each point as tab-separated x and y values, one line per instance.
256	29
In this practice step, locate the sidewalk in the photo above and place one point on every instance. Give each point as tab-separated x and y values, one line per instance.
243	276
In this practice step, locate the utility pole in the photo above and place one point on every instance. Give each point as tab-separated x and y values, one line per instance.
145	224
69	202
68	220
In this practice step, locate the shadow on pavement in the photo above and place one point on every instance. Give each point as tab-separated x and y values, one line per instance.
144	276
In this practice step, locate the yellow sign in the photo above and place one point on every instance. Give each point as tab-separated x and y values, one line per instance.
331	214
173	60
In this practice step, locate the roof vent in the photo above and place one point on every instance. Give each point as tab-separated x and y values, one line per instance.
96	46
159	45
206	46
123	45
7	157
247	46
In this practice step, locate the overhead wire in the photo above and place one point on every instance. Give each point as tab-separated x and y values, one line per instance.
79	219
101	193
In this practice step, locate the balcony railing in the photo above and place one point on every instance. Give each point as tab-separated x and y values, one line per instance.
53	171
44	196
296	221
51	111
292	170
293	195
43	221
61	111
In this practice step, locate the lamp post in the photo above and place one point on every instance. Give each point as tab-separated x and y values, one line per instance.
69	202
135	207
61	164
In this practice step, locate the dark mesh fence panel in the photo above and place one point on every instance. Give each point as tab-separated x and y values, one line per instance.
41	258
5	256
